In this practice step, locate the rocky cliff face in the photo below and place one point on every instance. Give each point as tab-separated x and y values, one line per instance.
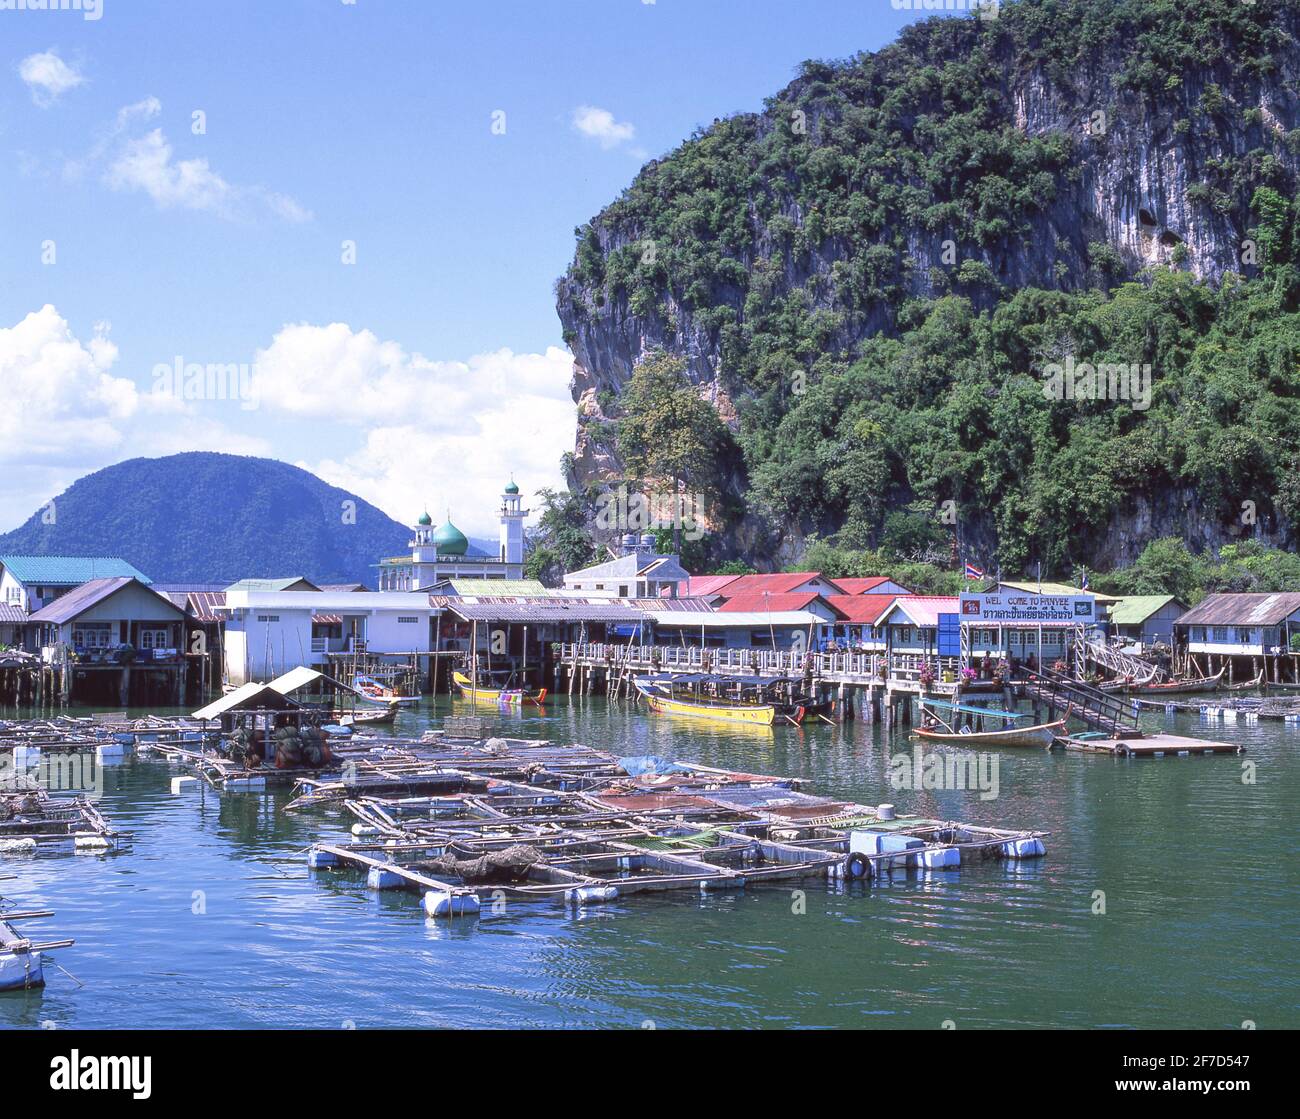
1061	146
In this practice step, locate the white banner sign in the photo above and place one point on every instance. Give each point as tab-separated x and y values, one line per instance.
1018	608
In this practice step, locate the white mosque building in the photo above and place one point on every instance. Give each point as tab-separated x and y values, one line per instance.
446	553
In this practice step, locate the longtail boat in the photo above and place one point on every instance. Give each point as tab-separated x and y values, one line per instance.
937	730
1170	687
513	696
753	700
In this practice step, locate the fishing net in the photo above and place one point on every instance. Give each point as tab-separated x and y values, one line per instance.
492	868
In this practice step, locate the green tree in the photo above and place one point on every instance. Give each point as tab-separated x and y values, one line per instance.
668	432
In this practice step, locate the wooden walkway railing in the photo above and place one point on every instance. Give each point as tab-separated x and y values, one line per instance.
1100	710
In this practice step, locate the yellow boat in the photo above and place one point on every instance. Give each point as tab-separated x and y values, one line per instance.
757	714
479	694
760	716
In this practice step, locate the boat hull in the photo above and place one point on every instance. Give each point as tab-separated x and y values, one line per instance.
758	715
1040	737
513	697
21	971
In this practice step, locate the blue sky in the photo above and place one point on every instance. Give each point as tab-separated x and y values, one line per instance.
431	367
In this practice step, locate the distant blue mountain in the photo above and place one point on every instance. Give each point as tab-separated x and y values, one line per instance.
210	518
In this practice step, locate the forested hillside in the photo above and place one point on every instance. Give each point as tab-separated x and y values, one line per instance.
869	281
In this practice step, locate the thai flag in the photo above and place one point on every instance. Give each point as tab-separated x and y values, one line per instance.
1084	584
973	572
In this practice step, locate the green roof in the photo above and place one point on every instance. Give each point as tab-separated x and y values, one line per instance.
69	571
271	584
512	487
425	519
1134	609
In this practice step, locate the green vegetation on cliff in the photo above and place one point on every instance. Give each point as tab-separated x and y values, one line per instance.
880	269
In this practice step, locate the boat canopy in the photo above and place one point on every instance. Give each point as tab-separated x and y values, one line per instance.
969	709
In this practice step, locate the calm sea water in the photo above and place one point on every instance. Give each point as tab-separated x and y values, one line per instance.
1197	868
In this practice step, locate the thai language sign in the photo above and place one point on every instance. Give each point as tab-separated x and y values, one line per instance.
1020	608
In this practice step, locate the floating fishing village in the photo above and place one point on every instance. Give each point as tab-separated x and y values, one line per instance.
299	690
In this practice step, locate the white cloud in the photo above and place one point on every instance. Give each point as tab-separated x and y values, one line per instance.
48	77
66	413
147	163
437	433
600	125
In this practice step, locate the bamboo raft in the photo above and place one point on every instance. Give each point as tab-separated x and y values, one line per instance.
534	820
31	821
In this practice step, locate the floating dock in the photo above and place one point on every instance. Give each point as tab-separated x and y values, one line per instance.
32	820
1148	746
520	819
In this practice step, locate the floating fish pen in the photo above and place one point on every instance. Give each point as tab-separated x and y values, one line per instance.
110	736
31	821
638	825
22	964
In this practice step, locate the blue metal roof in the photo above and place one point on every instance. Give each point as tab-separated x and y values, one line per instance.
69	571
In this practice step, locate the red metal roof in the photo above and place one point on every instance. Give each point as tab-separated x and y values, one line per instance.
860	609
203	604
768	603
704	584
780	582
862	586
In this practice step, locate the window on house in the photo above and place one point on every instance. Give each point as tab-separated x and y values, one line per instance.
1220	634
407	621
1245	636
93	635
622	590
154	638
268	617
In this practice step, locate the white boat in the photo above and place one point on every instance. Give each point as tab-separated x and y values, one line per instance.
20	971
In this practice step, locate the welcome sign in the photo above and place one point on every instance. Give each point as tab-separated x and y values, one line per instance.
1019	608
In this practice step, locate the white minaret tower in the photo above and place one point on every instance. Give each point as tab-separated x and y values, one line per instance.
512	525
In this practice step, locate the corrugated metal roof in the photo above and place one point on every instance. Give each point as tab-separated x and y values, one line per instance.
781	582
719	620
705	584
251	694
203	605
861	609
1242	610
677	605
82	598
924	610
468	588
11	614
1134	609
1053	589
327	619
68	571
272	585
762	603
300	677
542	610
861	586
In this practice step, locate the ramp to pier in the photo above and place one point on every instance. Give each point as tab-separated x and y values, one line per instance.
1100	710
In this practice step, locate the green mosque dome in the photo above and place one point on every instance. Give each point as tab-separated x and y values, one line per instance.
512	488
449	540
425	519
